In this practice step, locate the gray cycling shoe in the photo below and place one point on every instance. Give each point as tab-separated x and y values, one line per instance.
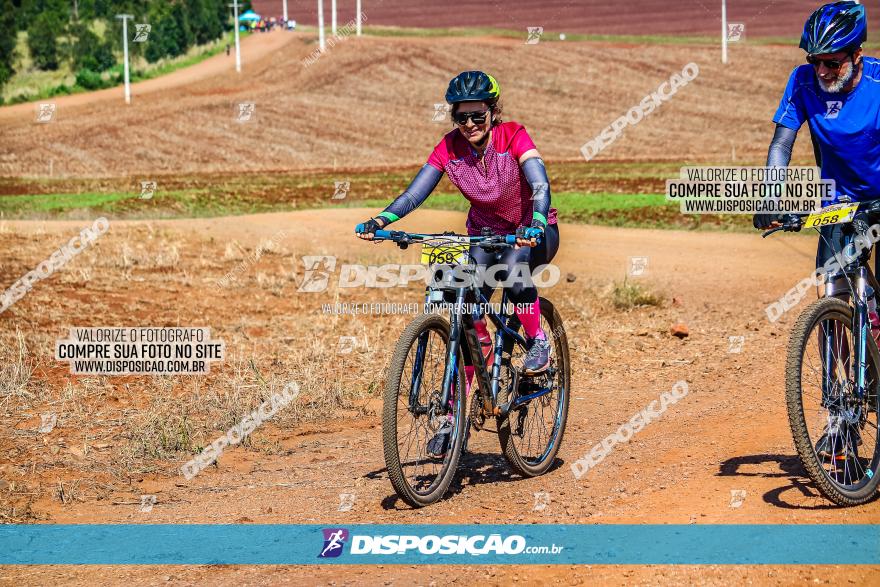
538	356
439	444
836	443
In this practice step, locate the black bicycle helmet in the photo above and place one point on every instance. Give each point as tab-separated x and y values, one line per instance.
473	86
840	26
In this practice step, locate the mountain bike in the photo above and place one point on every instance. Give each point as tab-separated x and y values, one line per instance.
832	372
426	382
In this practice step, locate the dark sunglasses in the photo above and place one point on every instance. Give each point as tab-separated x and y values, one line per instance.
829	63
478	117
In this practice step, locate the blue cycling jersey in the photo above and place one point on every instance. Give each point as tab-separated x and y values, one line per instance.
845	125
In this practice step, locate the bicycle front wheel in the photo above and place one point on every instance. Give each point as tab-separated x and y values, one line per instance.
412	412
835	431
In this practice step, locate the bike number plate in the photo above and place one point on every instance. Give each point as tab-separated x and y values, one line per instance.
450	254
836	214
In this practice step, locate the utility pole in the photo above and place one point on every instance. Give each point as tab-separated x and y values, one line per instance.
333	16
285	12
321	24
358	18
723	31
237	43
124	18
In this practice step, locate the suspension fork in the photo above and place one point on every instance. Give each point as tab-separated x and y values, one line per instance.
861	330
863	327
417	370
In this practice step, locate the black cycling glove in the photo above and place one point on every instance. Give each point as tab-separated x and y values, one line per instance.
762	221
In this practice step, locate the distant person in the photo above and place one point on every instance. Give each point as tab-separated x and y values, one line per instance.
497	168
227	49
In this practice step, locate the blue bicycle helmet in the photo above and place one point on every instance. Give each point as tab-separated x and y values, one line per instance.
473	86
840	26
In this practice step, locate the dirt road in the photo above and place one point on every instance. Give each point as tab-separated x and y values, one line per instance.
729	434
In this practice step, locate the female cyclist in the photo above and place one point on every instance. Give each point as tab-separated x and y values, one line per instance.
497	168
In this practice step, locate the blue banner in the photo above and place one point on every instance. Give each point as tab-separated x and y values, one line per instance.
143	544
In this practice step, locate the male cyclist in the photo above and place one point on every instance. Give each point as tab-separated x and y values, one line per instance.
496	166
838	94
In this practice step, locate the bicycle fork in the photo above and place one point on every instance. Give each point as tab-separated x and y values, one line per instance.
861	332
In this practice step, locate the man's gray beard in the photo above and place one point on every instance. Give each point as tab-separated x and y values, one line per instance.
841	82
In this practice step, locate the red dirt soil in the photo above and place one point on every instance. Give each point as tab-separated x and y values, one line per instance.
762	18
729	433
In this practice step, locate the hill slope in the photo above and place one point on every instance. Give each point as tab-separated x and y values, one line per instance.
369	102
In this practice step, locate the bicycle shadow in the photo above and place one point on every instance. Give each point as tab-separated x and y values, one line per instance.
790	466
474	468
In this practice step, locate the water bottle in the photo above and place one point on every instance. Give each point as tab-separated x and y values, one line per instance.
485	340
873	317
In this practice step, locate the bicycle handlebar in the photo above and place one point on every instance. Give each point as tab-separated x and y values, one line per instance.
400	236
794	222
790	223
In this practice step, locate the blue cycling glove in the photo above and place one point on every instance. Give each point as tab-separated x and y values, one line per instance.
535	231
370	226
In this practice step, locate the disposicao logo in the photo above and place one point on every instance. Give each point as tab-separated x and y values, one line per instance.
334	541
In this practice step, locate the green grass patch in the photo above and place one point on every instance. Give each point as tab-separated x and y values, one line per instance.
610	194
49	204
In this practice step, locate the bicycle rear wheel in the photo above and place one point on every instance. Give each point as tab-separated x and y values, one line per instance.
531	433
412	413
835	432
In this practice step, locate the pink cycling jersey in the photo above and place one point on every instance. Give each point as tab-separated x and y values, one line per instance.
500	196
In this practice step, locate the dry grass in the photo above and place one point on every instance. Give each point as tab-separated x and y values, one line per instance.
627	296
113	428
16	370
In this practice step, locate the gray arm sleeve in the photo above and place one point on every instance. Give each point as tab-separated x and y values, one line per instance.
779	154
418	191
536	174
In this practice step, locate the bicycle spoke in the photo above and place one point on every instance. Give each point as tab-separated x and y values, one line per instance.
832	411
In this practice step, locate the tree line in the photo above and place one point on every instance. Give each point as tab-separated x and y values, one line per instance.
64	31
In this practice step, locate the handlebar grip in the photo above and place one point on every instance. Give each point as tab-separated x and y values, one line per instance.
382	234
510	239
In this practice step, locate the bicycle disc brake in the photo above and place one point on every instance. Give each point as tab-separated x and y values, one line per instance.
478	416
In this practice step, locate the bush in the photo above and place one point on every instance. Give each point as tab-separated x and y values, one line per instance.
20	98
89	52
104	56
60	90
90	80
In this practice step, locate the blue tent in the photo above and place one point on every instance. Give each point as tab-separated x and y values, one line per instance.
250	15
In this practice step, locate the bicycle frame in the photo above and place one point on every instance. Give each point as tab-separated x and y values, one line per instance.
464	334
